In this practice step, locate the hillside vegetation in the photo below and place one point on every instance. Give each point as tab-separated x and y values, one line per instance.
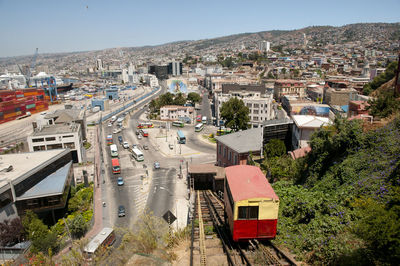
341	205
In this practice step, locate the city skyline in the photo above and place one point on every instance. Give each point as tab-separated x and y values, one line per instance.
73	26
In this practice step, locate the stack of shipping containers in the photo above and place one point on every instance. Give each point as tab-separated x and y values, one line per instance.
17	103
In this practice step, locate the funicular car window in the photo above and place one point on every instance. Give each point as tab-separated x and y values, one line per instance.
253	212
248	212
242	213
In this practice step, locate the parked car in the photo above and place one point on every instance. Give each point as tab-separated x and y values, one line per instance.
145	147
137	132
139	136
121	211
116	131
156	165
109	124
120	181
125	145
171	146
120	139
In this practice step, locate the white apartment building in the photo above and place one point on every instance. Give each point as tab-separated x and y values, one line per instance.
173	112
151	80
260	105
304	126
58	136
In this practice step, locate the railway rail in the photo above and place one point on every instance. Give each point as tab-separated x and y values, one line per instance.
209	211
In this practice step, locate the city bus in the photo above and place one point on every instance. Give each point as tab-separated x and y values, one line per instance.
180	137
199	127
116	169
198	118
178	124
137	154
105	238
114	150
109	139
223	131
145	125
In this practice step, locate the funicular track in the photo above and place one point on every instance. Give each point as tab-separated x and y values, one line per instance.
210	211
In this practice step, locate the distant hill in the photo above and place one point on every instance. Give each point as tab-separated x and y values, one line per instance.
370	35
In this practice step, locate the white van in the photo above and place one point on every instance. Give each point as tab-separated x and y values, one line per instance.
204	120
113	118
114	150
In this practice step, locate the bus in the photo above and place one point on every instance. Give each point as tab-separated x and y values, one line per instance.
105	238
180	137
223	131
198	118
137	154
145	125
109	139
199	127
116	169
114	150
178	124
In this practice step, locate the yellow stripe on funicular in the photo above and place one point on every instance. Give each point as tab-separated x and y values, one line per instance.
268	208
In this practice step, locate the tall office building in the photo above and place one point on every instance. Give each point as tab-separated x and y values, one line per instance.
175	68
264	46
99	64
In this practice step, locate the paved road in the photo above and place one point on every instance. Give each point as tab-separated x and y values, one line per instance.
157	190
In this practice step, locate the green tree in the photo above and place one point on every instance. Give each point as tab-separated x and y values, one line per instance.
283	71
235	114
77	226
179	99
274	148
194	97
165	99
384	105
41	237
379	226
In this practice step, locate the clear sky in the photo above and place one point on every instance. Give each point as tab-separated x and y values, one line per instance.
81	25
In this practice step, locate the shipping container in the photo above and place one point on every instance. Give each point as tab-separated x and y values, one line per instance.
13	114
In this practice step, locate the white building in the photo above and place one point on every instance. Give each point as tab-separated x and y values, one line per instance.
264	46
59	136
260	105
99	64
173	112
304	126
151	80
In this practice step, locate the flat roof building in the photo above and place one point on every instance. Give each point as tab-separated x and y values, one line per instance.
59	136
37	181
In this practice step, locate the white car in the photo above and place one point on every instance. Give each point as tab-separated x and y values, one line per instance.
116	131
109	125
125	145
139	136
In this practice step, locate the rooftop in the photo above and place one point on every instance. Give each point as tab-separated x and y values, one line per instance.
310	121
248	182
207	169
56	129
243	141
52	185
27	164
